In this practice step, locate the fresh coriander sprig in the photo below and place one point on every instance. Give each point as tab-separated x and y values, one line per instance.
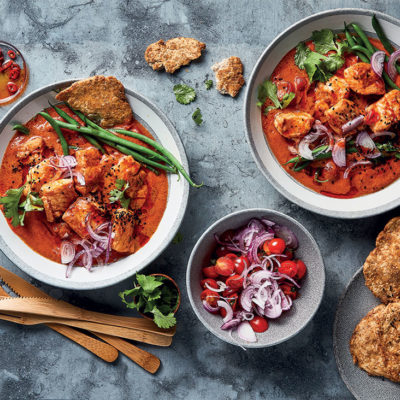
151	295
184	94
118	194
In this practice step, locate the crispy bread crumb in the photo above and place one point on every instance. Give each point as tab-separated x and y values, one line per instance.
173	53
100	98
229	75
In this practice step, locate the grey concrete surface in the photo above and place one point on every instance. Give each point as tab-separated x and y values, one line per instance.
68	39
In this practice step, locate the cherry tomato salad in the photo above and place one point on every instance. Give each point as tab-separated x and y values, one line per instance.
253	277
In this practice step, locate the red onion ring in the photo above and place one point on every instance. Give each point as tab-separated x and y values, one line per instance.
391	65
228	309
365	141
209	308
377	60
67	252
353	165
382	133
339	152
233	323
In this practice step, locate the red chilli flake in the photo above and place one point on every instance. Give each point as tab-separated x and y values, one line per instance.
13	74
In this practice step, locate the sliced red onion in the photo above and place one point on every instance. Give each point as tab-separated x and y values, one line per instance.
233	323
67	252
391	65
228	309
258	277
287	235
304	145
246	298
92	233
365	141
209	308
349	126
108	249
377	60
353	165
246	333
286	301
339	152
255	245
221	287
63	161
72	263
382	133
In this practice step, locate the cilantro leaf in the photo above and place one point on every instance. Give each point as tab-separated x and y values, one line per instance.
197	117
318	66
208	83
32	203
302	52
148	283
11	202
163	321
287	98
119	193
268	90
184	94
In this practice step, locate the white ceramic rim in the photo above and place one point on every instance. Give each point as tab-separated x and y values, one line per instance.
318	256
98	284
292	193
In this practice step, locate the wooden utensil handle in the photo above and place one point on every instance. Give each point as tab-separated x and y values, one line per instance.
103	350
146	360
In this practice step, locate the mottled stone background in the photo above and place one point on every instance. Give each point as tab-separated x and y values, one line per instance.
69	39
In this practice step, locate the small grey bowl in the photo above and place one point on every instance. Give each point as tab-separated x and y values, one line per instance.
304	307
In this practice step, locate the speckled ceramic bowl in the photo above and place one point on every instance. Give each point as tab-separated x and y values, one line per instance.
364	206
291	322
53	273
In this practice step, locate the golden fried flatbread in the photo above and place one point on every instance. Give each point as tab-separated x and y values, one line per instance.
382	266
229	75
375	343
173	53
101	98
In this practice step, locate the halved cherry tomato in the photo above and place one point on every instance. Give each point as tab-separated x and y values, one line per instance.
274	246
288	268
210	297
13	74
289	253
11	54
228	292
235	282
232	256
210	282
240	264
224	266
210	272
289	290
301	269
259	324
233	299
222	251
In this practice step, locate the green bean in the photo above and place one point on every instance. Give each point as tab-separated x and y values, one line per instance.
56	127
113	138
350	39
381	35
384	40
73	121
161	149
138	157
363	50
21	128
364	38
389	81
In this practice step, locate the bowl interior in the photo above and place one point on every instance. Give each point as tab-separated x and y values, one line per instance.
344	208
54	273
291	322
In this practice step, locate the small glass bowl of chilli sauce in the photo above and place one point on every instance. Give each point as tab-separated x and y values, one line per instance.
14	73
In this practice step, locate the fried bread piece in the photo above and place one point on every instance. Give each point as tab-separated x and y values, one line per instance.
173	53
382	266
101	98
375	343
229	75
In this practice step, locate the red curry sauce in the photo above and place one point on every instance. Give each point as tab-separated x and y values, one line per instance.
37	232
364	180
